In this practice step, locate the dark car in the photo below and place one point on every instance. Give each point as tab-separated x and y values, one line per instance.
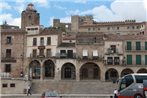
50	94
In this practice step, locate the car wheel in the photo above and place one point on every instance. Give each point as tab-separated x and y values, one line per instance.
138	96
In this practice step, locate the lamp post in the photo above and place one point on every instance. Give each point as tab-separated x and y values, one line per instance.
21	73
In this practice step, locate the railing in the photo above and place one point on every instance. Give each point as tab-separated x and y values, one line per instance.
93	58
113	62
111	51
41	56
65	56
4	75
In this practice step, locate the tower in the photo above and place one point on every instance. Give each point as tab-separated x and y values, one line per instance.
29	16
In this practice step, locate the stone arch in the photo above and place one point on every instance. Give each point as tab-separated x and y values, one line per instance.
35	69
49	69
89	70
68	71
111	74
142	70
126	71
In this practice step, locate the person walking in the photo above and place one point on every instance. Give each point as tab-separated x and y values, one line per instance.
29	90
115	93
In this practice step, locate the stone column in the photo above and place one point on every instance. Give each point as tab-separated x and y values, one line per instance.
77	72
41	71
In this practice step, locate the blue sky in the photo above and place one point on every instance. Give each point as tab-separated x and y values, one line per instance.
102	10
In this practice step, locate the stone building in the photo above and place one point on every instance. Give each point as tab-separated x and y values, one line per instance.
124	54
41	53
30	16
12	51
87	24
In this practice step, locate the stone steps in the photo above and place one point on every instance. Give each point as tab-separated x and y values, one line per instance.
74	87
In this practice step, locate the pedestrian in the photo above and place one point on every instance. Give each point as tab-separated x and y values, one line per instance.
29	90
115	93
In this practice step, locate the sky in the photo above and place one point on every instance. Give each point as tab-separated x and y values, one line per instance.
102	10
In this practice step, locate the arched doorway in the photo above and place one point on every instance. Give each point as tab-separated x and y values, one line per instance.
34	69
49	69
68	71
111	74
142	70
89	71
126	71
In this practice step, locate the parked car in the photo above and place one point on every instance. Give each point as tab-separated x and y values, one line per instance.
50	94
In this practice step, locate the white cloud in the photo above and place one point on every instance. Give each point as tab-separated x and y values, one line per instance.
42	3
119	10
66	19
10	19
51	21
71	12
4	5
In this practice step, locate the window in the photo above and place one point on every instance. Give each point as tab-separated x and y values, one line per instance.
125	82
34	41
110	60
108	28
48	40
116	60
95	53
85	52
145	59
8	68
133	27
145	45
138	46
139	79
129	59
128	27
88	29
117	28
9	40
41	52
113	48
34	52
48	52
41	41
63	53
138	59
70	53
12	85
8	53
129	45
4	85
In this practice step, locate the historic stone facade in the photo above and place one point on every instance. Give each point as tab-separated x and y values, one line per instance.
12	51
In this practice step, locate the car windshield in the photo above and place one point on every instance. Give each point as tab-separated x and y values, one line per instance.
48	94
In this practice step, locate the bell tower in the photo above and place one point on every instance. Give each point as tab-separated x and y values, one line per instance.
30	16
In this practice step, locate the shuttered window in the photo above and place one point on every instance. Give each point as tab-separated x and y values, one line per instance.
138	46
129	45
129	59
138	59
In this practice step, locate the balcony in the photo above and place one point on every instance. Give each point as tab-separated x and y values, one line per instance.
133	49
66	56
38	56
112	52
87	58
8	59
114	62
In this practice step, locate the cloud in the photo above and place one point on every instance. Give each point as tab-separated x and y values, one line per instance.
119	10
42	3
10	19
66	19
73	12
4	5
